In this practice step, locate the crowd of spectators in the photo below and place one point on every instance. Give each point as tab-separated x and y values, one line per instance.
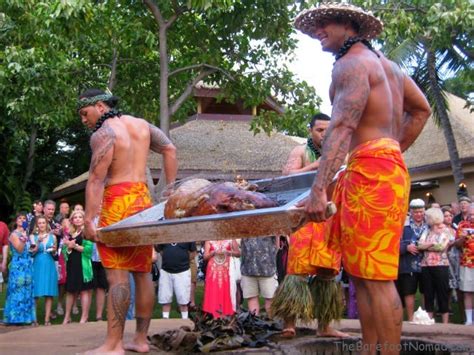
45	255
437	259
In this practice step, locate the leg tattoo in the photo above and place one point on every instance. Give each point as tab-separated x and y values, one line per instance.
397	305
120	296
142	324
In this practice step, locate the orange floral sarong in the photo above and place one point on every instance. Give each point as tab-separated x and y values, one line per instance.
309	251
371	196
120	201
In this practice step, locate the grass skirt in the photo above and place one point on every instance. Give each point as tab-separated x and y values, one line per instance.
293	300
327	300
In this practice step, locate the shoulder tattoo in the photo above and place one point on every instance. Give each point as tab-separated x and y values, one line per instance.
158	139
352	88
102	141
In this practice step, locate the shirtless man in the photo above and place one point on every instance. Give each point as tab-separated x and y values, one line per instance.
377	113
116	188
304	158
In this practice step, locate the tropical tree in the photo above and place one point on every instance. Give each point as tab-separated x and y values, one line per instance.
433	41
150	53
37	67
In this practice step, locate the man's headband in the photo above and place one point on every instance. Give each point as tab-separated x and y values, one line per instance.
87	101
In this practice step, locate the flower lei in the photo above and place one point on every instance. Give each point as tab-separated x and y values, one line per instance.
104	117
348	43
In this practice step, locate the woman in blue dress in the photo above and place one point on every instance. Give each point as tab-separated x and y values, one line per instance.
19	304
45	275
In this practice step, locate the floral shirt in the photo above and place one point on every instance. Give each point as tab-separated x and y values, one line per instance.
258	256
467	256
437	255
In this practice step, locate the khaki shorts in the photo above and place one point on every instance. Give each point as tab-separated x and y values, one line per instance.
466	275
252	286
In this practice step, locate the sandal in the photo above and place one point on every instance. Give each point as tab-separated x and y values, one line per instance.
288	333
47	323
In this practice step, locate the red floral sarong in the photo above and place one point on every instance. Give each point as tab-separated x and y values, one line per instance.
309	251
371	196
120	201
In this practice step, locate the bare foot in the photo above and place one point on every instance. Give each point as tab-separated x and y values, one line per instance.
331	332
103	350
136	347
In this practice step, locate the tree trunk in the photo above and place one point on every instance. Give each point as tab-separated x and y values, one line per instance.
164	72
30	160
113	71
444	119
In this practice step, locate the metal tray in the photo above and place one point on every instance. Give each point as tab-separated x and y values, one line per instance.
150	227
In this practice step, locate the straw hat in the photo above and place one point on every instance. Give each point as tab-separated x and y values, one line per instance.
370	26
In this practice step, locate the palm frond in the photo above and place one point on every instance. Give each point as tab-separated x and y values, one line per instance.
421	78
451	60
404	52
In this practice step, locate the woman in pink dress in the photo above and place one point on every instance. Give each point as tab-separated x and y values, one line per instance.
220	283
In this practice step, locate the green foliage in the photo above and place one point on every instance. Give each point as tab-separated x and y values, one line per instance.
462	85
52	50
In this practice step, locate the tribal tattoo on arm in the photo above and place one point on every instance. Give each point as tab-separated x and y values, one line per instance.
102	144
158	139
120	298
351	88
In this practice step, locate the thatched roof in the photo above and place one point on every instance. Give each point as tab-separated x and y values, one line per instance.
217	149
430	147
226	148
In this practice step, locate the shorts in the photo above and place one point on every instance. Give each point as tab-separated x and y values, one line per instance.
100	276
252	286
408	284
179	284
467	279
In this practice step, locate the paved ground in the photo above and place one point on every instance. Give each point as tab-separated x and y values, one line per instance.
76	338
73	338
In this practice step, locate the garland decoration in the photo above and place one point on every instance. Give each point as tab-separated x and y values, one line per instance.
104	117
348	43
314	149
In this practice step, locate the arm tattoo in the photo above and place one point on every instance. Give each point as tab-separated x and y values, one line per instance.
120	298
157	139
101	142
351	86
143	324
